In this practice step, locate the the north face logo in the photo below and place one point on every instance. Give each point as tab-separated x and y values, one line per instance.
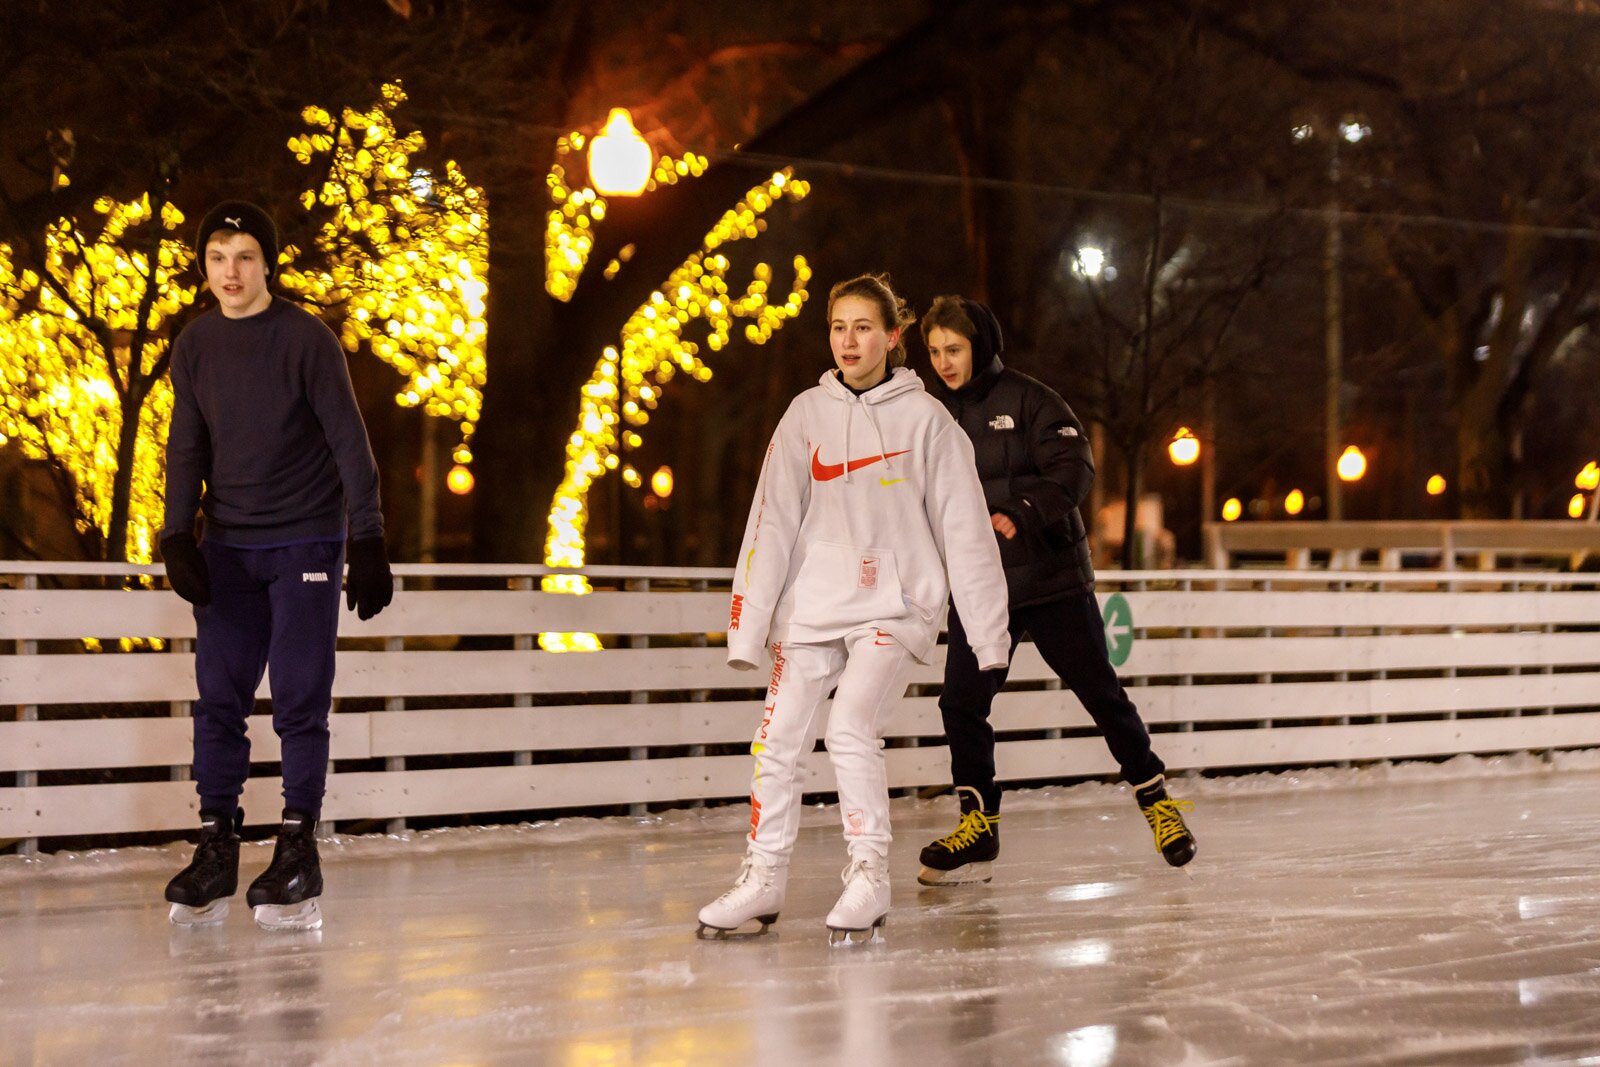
314	576
1002	422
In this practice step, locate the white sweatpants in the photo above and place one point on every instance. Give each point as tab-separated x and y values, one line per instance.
870	669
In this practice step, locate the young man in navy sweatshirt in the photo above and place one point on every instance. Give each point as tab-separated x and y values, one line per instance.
268	445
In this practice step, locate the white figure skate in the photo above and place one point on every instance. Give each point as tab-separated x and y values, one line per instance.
863	908
757	895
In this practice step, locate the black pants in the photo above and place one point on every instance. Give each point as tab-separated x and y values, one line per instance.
1070	635
274	608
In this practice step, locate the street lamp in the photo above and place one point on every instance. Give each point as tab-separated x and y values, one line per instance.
1089	262
661	482
1588	480
1232	509
1184	448
1436	485
1352	465
619	158
1295	502
459	480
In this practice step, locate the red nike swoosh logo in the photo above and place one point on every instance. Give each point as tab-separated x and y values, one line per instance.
827	472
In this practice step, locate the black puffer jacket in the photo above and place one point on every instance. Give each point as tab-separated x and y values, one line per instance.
1036	466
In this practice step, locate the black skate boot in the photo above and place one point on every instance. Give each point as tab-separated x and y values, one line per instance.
965	855
199	893
1173	839
284	896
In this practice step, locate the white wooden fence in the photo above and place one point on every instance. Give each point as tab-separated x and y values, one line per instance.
1483	544
1230	669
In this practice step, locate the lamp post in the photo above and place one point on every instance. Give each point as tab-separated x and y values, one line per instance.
1351	131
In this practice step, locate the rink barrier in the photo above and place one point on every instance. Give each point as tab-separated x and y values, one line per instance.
1231	669
1482	544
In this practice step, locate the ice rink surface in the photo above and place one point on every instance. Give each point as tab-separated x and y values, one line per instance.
1410	915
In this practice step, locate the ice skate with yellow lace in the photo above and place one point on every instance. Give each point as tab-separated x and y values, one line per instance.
964	856
1165	816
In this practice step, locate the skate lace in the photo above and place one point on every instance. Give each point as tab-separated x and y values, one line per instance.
749	881
860	883
1166	820
973	824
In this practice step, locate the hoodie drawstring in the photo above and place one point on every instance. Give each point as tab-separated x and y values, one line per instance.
883	449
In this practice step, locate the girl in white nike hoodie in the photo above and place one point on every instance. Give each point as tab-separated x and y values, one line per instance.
867	516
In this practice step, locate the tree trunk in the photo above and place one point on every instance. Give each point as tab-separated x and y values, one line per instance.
1132	556
116	545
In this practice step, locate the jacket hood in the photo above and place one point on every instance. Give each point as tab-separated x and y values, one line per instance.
900	380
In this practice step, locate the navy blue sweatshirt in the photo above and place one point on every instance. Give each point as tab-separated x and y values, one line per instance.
265	419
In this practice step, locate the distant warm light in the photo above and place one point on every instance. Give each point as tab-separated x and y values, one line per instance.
1232	509
1302	132
1589	477
1184	447
1354	130
1352	465
1575	506
1295	502
459	480
661	482
1436	485
619	159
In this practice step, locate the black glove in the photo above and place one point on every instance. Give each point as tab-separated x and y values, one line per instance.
370	585
186	569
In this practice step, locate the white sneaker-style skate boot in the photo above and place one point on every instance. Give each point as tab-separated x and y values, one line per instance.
864	906
757	894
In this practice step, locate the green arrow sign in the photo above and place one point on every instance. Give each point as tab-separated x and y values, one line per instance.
1119	628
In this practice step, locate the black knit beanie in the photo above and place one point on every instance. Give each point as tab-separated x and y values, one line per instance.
989	343
243	217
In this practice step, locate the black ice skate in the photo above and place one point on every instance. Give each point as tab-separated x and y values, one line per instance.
965	855
199	893
1165	816
285	895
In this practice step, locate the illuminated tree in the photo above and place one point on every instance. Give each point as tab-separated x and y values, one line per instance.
402	258
85	340
653	348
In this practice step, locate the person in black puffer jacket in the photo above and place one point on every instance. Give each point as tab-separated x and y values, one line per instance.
1036	466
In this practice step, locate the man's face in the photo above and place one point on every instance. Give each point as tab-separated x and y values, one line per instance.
952	356
236	271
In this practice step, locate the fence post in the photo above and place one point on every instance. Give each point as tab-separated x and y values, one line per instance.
698	696
28	846
641	585
522	643
392	763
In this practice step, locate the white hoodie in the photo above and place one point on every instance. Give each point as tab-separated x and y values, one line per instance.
865	505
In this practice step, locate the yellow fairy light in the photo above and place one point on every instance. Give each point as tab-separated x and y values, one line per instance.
406	253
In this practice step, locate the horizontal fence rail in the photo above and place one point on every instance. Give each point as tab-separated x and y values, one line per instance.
444	706
1481	544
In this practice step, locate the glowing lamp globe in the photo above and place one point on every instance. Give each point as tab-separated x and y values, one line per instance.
1352	465
1436	485
1575	506
1184	447
661	482
1589	477
619	159
1232	509
1295	502
459	480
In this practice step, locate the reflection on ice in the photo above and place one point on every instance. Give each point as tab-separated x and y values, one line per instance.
1077	954
1086	891
1090	1046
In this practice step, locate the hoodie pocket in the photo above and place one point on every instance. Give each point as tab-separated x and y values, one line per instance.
844	585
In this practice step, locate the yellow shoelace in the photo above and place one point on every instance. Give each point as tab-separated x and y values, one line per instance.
972	824
1165	820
